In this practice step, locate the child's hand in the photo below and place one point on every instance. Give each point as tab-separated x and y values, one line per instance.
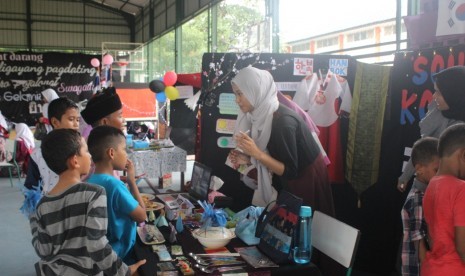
130	171
133	268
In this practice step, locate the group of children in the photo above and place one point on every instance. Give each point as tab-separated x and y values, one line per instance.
85	227
434	211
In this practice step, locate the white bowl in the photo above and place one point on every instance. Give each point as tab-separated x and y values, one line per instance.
214	237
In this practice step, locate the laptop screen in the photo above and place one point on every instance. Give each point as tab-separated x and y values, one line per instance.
200	181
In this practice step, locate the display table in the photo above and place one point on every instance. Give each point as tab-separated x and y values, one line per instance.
156	163
189	244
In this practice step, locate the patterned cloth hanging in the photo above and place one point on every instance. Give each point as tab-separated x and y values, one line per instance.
366	125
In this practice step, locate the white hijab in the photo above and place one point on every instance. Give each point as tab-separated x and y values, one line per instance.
260	90
3	121
50	95
23	132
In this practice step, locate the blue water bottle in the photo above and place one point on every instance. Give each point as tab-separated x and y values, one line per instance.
303	240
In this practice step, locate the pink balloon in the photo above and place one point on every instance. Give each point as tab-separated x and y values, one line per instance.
95	62
170	78
107	59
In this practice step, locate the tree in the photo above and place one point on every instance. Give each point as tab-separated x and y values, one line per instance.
236	25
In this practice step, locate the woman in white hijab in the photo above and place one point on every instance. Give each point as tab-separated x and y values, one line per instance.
49	95
24	145
280	145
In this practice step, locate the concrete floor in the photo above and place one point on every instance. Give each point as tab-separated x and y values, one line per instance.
17	256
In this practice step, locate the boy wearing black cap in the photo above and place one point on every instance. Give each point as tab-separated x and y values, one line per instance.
105	108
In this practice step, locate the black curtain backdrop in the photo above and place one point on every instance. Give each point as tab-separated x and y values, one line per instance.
23	75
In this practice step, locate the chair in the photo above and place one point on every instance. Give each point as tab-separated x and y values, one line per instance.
12	165
335	239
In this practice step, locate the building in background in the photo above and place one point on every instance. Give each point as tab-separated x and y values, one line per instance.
370	43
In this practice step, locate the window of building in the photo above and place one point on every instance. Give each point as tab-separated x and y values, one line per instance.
327	42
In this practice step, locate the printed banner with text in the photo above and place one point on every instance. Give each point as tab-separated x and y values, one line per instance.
23	75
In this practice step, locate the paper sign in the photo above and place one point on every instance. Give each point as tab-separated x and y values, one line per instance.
227	104
225	126
226	142
408	151
339	66
303	66
287	86
185	91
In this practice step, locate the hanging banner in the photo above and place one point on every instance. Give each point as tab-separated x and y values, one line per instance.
24	75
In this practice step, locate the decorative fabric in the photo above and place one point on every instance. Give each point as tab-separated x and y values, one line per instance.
306	91
367	113
323	99
322	105
260	90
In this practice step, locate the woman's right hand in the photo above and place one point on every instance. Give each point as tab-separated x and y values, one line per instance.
401	186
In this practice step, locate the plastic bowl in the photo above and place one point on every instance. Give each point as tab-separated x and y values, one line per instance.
214	237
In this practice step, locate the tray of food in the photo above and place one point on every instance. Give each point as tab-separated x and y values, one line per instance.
151	205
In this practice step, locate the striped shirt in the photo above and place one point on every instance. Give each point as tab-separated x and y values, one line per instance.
69	234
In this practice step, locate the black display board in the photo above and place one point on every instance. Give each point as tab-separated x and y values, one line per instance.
23	75
217	71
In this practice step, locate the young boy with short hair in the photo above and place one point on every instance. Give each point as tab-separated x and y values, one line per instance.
63	114
69	224
125	207
425	160
444	208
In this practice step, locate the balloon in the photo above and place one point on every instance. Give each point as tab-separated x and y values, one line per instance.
95	62
172	93
170	78
156	86
107	59
161	97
